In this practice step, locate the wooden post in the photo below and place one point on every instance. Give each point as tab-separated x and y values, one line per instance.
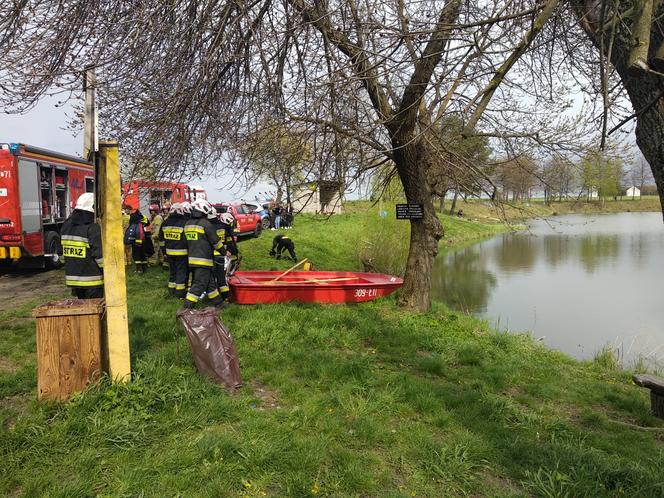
115	290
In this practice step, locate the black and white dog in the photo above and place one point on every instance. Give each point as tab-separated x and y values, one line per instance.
280	244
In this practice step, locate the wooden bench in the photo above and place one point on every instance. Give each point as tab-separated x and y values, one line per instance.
656	386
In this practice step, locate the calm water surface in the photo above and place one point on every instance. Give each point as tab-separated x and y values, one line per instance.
577	282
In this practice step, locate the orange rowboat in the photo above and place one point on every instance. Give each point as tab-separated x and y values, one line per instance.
260	287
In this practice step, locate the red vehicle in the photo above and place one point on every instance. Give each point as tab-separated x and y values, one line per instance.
247	222
262	287
38	189
139	194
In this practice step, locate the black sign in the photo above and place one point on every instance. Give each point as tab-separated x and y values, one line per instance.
410	211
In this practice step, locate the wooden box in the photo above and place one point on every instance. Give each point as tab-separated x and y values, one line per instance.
69	346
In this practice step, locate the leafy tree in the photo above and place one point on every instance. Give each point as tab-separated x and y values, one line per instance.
278	155
601	175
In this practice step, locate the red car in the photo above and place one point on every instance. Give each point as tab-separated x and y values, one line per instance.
247	222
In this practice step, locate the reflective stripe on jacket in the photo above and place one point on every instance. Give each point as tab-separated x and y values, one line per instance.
202	240
172	235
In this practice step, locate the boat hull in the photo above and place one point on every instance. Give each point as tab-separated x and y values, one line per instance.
311	287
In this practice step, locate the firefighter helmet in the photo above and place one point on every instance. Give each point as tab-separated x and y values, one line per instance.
213	214
86	202
203	206
166	207
176	207
154	207
186	207
227	218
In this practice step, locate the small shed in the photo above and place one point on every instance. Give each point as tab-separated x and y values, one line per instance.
633	192
321	197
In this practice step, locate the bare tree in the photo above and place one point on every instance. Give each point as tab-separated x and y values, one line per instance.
629	39
640	174
558	178
183	83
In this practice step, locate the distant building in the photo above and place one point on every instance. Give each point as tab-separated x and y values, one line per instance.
633	192
321	197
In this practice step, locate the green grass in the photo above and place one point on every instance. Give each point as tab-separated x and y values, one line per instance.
357	400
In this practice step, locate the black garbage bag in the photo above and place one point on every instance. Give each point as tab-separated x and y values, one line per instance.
212	346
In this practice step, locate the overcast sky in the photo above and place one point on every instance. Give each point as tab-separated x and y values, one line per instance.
45	126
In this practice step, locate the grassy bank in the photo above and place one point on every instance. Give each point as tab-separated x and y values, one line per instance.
361	400
515	212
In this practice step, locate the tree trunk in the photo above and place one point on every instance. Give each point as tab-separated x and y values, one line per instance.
454	200
644	89
410	160
442	203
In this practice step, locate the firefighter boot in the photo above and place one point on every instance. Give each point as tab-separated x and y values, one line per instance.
188	305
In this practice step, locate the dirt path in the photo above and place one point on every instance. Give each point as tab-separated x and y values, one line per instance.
17	288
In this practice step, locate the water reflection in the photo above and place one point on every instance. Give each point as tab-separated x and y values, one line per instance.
463	281
581	283
596	250
518	252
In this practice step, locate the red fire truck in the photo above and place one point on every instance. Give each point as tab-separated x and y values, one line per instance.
139	194
38	189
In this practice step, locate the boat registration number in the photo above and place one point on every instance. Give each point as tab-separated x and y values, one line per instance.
366	292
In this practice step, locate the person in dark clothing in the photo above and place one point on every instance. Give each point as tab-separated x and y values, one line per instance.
277	216
202	241
136	237
175	247
81	248
283	243
287	217
221	253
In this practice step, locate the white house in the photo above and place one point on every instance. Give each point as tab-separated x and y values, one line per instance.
633	192
321	197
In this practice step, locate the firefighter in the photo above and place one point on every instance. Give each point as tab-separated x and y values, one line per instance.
156	220
230	242
126	212
283	243
220	255
81	248
135	236
202	240
175	244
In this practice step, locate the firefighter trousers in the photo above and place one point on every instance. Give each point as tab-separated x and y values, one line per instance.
203	280
178	274
138	255
88	292
220	277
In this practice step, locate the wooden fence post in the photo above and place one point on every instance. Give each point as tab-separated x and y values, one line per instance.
115	290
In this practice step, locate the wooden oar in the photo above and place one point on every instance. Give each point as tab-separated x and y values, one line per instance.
307	281
326	280
288	271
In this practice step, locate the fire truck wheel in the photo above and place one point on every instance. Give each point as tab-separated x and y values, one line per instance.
52	247
258	230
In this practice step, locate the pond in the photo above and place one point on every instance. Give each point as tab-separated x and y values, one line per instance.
577	282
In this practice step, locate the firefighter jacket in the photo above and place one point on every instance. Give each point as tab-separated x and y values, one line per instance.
156	223
202	240
81	248
172	235
229	239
